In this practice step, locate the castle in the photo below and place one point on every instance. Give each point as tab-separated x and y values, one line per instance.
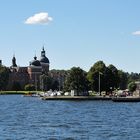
30	74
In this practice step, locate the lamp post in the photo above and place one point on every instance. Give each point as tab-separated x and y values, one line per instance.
100	73
100	82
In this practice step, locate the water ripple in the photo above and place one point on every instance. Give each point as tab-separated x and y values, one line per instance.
33	119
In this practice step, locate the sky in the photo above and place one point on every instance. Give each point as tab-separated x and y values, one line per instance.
73	32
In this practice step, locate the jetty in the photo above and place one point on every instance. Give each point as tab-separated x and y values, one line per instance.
76	98
85	98
126	99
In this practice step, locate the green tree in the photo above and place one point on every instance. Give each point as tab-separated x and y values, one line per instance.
108	75
4	77
46	82
132	86
93	76
29	87
123	79
133	77
76	80
55	85
111	78
16	86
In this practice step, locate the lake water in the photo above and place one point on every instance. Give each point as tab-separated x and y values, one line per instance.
29	118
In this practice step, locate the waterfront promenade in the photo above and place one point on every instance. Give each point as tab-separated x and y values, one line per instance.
107	98
76	98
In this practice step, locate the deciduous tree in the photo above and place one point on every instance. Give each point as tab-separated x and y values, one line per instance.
76	80
4	77
93	76
132	86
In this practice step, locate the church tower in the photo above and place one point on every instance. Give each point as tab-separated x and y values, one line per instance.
44	61
14	62
14	67
35	71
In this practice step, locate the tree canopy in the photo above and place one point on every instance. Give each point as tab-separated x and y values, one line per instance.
93	76
76	80
29	87
112	79
4	77
45	82
123	79
132	86
109	78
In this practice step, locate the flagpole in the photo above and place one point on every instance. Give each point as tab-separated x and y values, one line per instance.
99	84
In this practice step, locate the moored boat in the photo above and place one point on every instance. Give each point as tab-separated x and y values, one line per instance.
126	99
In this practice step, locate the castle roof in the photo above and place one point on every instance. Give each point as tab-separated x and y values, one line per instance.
35	62
43	58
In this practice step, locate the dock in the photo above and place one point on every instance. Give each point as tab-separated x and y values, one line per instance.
76	98
126	99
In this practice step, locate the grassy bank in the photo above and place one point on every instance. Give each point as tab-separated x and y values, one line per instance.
17	92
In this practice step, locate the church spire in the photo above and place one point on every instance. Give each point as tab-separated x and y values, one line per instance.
14	61
35	58
43	52
43	48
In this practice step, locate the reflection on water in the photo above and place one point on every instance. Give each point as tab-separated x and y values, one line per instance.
28	118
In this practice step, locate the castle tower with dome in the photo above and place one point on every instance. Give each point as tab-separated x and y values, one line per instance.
29	74
35	71
37	68
44	61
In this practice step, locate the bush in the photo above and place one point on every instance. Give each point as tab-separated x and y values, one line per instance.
29	87
132	86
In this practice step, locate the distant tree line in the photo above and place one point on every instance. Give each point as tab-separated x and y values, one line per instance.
77	79
110	78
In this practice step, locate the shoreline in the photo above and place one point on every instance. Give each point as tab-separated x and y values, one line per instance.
76	98
95	98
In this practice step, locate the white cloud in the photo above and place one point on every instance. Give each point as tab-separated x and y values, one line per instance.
136	33
39	18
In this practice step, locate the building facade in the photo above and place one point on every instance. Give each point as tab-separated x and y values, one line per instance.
28	75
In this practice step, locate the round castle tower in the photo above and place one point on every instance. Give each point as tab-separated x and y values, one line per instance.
44	61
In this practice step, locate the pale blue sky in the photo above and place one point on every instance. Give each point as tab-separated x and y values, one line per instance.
81	33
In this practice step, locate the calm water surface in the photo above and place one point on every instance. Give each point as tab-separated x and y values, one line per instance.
27	118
